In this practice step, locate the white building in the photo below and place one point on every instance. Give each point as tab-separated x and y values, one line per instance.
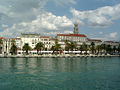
111	43
3	46
78	38
72	37
95	41
47	41
31	39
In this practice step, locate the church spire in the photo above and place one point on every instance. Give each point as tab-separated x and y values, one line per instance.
76	28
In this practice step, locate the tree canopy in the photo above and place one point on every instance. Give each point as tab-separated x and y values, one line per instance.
26	48
39	46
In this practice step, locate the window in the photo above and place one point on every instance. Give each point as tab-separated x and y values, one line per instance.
45	39
35	41
32	41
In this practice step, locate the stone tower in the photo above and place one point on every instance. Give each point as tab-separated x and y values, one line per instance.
76	28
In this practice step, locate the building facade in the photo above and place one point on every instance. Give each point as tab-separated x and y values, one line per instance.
47	41
33	39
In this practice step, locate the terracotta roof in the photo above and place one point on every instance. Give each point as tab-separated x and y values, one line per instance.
1	38
52	39
12	38
73	35
45	37
108	41
94	40
4	38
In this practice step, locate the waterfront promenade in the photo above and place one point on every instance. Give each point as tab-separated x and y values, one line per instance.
55	56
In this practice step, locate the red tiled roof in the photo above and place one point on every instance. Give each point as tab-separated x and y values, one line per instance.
73	35
44	37
94	40
12	38
6	39
52	39
108	41
1	38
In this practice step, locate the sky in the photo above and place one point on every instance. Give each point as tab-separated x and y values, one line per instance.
97	19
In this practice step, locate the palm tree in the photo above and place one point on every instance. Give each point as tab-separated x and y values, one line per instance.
13	49
103	47
39	46
118	49
1	43
67	45
56	47
26	48
81	48
92	47
114	49
73	45
98	48
108	49
85	47
56	41
53	49
12	41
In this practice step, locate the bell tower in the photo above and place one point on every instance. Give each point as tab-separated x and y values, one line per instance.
76	28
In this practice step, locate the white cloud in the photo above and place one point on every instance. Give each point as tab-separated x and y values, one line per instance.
105	37
44	23
100	38
62	2
68	31
4	9
51	33
4	26
100	32
92	35
113	35
31	16
99	18
110	36
16	11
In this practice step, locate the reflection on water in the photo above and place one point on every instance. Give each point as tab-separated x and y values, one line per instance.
44	64
99	73
49	64
33	65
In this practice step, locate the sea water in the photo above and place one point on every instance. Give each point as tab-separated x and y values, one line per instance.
84	73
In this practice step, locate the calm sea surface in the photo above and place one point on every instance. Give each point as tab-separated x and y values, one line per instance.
98	73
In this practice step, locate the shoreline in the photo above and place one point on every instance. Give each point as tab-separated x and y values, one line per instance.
55	56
